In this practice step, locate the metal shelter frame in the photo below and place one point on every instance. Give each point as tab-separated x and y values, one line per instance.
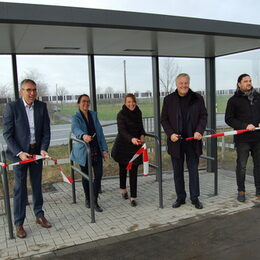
53	30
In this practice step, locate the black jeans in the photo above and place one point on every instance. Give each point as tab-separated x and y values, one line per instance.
186	149
132	178
98	173
243	150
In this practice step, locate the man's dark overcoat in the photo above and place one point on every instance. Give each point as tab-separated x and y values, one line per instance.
171	120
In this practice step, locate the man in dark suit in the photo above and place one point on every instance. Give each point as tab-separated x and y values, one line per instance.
184	115
27	132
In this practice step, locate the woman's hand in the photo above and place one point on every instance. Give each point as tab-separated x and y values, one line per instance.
142	139
135	141
87	138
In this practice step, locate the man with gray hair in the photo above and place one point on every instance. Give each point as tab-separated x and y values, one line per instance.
27	132
184	115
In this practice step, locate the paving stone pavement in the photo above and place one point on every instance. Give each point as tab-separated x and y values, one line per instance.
71	222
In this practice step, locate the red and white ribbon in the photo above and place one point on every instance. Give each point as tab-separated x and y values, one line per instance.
36	158
142	150
235	132
64	177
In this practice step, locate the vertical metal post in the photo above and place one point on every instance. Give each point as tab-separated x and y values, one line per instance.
157	124
15	77
90	183
7	198
92	81
125	77
212	166
72	174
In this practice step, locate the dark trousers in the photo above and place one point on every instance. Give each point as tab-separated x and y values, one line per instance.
20	190
132	178
98	173
186	149
243	150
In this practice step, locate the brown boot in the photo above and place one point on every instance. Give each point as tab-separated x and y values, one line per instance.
20	232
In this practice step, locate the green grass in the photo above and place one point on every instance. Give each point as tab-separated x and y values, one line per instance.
109	111
222	103
105	111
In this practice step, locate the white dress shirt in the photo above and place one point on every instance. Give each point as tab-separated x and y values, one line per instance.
30	115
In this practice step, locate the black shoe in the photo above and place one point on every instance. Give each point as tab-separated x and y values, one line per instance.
178	203
125	195
87	203
197	204
97	207
133	203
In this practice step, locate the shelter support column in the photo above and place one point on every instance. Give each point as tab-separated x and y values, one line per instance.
15	77
92	81
211	144
157	124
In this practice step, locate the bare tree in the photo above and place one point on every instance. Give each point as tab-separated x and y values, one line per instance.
60	93
42	86
109	90
5	91
168	72
5	96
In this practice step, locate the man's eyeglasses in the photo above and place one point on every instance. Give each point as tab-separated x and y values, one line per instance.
30	90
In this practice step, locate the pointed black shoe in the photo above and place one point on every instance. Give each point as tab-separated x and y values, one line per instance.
197	204
178	203
133	203
97	207
125	195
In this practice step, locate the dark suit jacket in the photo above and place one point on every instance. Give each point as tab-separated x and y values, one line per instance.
170	120
16	128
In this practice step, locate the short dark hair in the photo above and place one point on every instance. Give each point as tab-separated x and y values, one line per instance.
81	96
130	95
27	81
241	77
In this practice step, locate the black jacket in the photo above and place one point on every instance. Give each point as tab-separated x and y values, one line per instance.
171	120
130	125
240	113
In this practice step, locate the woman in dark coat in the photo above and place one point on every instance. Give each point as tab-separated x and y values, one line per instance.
127	143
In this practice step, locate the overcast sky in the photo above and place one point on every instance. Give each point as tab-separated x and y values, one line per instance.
72	71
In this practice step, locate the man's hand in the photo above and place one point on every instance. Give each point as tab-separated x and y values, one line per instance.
24	156
135	141
174	137
44	153
250	127
87	138
197	136
105	154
